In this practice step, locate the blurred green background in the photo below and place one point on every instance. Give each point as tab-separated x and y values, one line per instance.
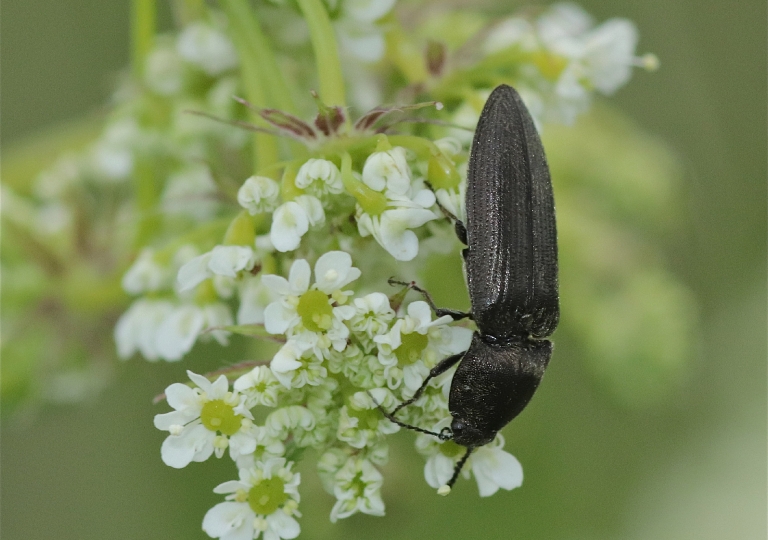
694	466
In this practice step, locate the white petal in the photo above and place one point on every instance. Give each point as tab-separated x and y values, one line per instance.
284	525
289	224
494	468
276	283
278	318
227	518
403	245
202	382
229	260
178	451
420	311
299	276
193	272
438	470
230	486
333	270
177	333
285	359
459	339
181	397
174	418
313	209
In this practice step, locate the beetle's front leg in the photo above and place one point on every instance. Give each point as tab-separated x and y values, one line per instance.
440	312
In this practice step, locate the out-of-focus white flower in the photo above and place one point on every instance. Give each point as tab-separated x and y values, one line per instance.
164	71
319	177
357	488
145	274
254	298
177	333
567	59
292	220
191	192
136	330
415	344
112	154
258	194
205	420
314	314
358	34
264	500
226	261
207	48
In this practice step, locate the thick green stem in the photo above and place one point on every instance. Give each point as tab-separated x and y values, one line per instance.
278	92
326	52
143	26
265	151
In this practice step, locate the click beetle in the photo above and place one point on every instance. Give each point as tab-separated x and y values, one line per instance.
511	269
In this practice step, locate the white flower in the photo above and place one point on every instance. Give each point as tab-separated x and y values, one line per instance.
206	419
319	177
145	274
207	48
392	228
226	261
292	220
179	330
308	312
609	55
254	298
164	71
372	315
357	488
136	330
295	421
415	344
295	365
492	467
265	499
388	171
361	423
358	34
258	194
112	154
260	386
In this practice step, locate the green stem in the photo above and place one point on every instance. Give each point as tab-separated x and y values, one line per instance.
265	150
326	52
279	94
143	26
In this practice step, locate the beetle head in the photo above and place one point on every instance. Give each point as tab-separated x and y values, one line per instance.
492	385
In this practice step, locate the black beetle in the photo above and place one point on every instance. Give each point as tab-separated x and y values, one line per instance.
511	268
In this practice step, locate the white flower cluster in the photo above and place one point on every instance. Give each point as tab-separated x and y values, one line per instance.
565	58
343	354
400	201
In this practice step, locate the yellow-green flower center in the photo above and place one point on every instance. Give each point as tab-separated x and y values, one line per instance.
267	496
218	416
411	347
315	311
451	449
550	65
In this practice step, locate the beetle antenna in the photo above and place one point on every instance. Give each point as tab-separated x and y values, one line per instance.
444	435
446	489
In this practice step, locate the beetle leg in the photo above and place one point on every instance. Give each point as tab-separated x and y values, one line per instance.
441	367
452	313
